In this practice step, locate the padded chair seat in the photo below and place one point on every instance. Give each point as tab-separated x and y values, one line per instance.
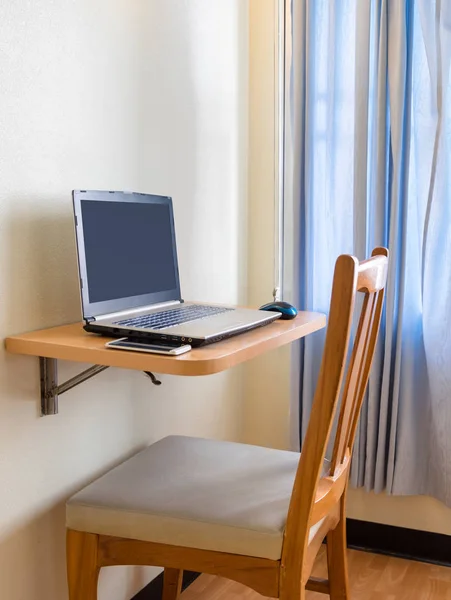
194	492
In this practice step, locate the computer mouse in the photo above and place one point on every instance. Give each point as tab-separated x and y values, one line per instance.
287	311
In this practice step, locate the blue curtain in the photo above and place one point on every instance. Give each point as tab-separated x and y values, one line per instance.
369	157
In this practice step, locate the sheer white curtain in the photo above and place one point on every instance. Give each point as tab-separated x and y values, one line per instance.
368	146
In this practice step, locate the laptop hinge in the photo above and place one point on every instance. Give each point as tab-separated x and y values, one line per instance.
90	319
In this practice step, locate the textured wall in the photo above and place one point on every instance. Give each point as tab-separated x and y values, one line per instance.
144	95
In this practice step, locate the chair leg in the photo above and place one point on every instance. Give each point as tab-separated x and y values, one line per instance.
337	560
172	583
82	567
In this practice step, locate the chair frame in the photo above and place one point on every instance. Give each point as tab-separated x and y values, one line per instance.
316	497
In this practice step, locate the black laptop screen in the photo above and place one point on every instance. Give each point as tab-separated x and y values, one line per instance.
129	249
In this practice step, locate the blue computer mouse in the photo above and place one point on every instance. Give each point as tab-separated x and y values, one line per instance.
287	311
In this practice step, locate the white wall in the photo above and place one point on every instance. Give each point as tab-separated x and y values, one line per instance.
146	95
267	397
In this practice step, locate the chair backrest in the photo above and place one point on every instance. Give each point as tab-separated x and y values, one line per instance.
368	277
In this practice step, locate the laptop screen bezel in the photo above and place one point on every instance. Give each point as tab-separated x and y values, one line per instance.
96	309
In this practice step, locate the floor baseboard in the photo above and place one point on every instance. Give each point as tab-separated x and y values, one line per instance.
424	546
154	590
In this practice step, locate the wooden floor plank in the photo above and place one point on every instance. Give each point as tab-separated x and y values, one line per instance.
371	576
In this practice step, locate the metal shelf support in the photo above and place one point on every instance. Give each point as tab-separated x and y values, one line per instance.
50	390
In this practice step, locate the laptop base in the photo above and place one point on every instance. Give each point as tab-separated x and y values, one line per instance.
108	331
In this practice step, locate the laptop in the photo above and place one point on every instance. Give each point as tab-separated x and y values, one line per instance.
129	275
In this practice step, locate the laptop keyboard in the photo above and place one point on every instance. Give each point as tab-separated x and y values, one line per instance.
173	317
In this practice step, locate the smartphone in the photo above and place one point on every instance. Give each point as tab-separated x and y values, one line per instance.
145	346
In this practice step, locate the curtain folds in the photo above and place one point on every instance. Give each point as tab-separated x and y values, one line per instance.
368	163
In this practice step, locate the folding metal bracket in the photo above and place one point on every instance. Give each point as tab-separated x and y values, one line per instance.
50	390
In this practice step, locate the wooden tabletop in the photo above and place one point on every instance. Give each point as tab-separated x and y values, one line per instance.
71	342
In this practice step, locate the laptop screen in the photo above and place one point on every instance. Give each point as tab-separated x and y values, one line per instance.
127	250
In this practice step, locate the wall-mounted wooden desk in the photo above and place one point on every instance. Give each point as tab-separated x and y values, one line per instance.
71	342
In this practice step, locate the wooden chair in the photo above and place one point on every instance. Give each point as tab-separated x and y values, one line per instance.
254	515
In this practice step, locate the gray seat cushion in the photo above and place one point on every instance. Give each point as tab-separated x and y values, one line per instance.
194	492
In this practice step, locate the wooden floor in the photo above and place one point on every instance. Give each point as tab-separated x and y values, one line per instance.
372	577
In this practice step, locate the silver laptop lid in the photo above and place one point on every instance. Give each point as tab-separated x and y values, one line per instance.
127	253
